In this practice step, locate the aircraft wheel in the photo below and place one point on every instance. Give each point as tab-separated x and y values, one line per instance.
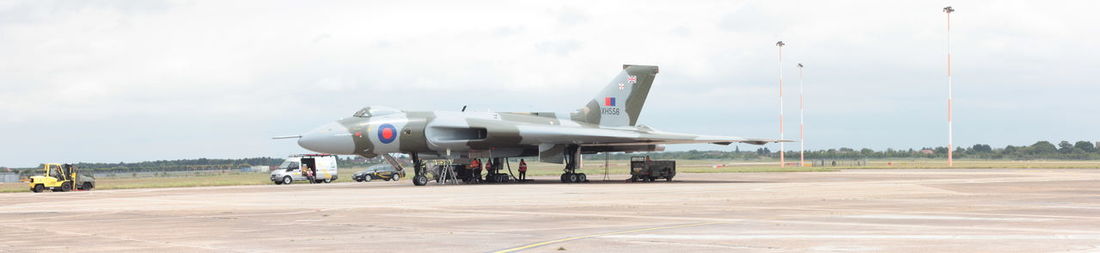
287	180
38	188
66	186
583	178
420	180
564	178
574	178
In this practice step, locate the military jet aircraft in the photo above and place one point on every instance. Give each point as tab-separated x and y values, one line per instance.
607	123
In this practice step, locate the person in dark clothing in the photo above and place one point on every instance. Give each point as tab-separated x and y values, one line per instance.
489	170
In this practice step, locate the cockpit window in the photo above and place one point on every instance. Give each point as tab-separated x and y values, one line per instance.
363	113
374	111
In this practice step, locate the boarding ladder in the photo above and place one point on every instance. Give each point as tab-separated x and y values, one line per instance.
393	161
447	173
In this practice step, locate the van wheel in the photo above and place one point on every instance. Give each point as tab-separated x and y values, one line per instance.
38	188
328	180
287	180
396	177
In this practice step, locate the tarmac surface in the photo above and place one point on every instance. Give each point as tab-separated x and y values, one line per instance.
977	210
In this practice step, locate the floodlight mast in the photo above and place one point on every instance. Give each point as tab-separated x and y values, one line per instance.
950	128
801	120
782	152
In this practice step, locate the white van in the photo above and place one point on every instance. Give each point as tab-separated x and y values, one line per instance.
291	170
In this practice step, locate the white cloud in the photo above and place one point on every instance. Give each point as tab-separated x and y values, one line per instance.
174	79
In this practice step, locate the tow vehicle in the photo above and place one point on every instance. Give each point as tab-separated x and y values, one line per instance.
60	177
644	169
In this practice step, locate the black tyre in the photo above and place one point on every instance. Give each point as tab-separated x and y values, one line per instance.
287	180
564	178
633	178
396	177
86	186
574	178
583	178
367	178
38	188
278	182
668	179
66	186
328	180
420	180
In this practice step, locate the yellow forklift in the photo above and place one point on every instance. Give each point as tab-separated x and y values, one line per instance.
60	177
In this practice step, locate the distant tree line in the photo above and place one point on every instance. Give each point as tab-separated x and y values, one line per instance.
193	165
169	165
1042	150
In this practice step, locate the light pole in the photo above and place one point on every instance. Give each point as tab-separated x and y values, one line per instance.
801	120
782	152
950	129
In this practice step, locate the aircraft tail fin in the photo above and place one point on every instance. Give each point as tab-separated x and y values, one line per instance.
620	102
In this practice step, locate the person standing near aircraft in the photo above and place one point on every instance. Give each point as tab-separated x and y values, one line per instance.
489	170
522	170
475	168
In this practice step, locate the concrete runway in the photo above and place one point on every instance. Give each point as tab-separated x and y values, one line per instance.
980	210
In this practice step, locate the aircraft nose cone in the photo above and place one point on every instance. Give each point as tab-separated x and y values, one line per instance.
331	138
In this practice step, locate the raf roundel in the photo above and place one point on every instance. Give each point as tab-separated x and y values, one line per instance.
387	133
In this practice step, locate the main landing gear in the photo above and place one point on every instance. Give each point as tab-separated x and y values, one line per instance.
572	153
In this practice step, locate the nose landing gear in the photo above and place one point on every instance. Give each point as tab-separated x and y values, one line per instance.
418	167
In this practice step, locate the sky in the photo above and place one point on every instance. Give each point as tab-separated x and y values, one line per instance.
113	81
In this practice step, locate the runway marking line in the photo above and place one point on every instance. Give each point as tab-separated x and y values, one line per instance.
544	243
